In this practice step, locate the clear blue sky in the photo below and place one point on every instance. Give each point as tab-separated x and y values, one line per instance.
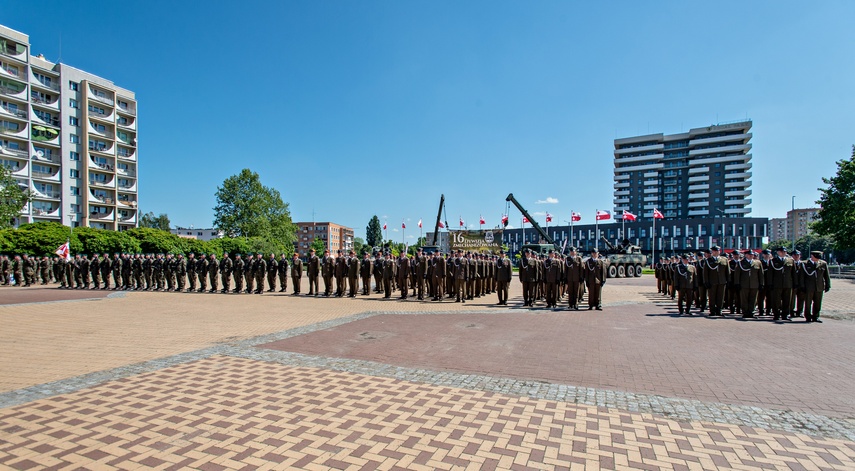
352	109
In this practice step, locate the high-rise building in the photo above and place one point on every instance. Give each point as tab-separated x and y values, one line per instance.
68	136
798	222
335	236
702	173
778	229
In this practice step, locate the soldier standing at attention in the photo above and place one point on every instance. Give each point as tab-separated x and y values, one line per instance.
180	273
105	271
44	271
551	273
797	301
365	271
260	268
237	269
534	272
340	274
169	272
282	268
202	271
126	271
378	272
296	273
84	271
272	271
136	268
700	286
523	275
213	272
78	278
684	276
249	273
716	274
388	274
573	274
439	273
751	281
226	269
403	274
147	271
352	273
504	272
94	272
816	282
595	279
313	269
776	277
420	272
461	276
327	271
191	273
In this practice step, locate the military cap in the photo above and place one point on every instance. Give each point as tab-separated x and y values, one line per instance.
571	249
816	253
767	252
795	252
594	250
707	251
715	247
551	251
746	252
700	254
780	249
685	256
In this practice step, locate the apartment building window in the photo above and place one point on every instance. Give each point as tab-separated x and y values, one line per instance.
74	138
72	120
74	173
74	155
72	85
75	208
75	191
72	103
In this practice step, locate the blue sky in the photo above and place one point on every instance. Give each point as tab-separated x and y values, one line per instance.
352	109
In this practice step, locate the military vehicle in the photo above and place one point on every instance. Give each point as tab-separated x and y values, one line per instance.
625	260
434	245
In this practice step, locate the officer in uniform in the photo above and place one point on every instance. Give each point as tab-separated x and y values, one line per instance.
716	275
191	272
328	271
226	269
503	272
260	271
148	272
534	272
461	276
136	268
168	272
595	278
296	273
94	272
202	271
420	271
439	272
353	273
388	274
797	300
105	271
779	282
340	274
180	273
523	275
684	277
313	269
272	272
816	282
552	269
573	274
282	267
213	272
249	273
365	271
238	269
751	282
403	274
700	283
84	271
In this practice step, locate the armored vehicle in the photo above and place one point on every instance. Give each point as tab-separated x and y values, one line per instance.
625	260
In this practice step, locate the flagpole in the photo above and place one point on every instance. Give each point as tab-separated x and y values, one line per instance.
571	227
597	229
523	228
623	226
653	240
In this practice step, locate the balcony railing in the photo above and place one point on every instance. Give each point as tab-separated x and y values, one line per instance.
9	91
52	86
128	110
39	100
17	73
102	99
11	52
50	157
13	152
47	194
44	174
16	112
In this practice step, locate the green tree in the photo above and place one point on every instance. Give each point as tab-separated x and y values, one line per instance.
246	208
374	232
319	245
161	221
12	198
836	215
359	245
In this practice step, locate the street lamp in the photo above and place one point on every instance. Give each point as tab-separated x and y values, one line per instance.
793	212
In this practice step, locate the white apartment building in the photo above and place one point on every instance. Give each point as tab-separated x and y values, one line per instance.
703	173
68	136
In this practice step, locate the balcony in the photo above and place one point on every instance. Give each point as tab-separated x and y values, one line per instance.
699	212
43	118
622	193
694	196
17	169
17	153
126	172
651	174
52	85
102	148
622	185
41	156
20	132
17	73
621	209
102	183
107	115
742	184
738	175
720	150
127	202
127	139
11	50
728	194
7	110
104	167
19	93
694	170
651	189
699	178
127	187
640	158
102	216
699	187
126	153
105	133
46	194
739	166
128	218
621	177
648	148
101	99
621	200
39	101
44	135
698	204
740	138
46	212
127	123
737	211
54	177
102	198
129	110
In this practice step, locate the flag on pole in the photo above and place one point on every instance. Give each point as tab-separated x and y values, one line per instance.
525	219
628	216
420	223
603	215
575	217
64	251
548	217
657	214
504	219
481	220
441	225
403	226
461	222
384	226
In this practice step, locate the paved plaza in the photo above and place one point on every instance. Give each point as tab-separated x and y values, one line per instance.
114	380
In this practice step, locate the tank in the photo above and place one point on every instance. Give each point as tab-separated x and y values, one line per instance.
625	260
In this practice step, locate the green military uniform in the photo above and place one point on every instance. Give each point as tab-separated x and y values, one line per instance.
751	281
296	273
595	278
816	281
684	283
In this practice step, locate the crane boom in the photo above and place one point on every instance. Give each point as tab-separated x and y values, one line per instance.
438	217
531	220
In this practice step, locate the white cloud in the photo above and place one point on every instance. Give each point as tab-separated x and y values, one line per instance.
411	237
395	230
538	213
548	200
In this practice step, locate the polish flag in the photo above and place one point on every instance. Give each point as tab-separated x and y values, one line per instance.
462	223
629	216
548	217
576	217
603	215
504	220
657	214
441	225
420	223
481	220
384	226
403	226
64	251
525	219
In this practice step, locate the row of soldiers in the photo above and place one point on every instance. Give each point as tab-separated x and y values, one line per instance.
24	270
777	284
555	275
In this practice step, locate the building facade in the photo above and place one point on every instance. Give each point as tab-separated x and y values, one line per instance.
702	173
210	233
778	229
68	136
798	222
335	236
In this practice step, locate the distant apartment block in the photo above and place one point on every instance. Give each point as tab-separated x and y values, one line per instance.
198	233
778	229
335	236
68	136
703	173
799	220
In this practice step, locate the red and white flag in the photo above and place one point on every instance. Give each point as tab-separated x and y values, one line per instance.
481	220
384	226
462	223
576	217
504	220
441	225
525	219
403	226
420	223
657	214
64	251
603	215
629	216
548	217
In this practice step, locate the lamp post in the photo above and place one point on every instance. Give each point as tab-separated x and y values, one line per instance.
793	212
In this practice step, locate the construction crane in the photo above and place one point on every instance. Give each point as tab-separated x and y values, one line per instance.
536	247
434	245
